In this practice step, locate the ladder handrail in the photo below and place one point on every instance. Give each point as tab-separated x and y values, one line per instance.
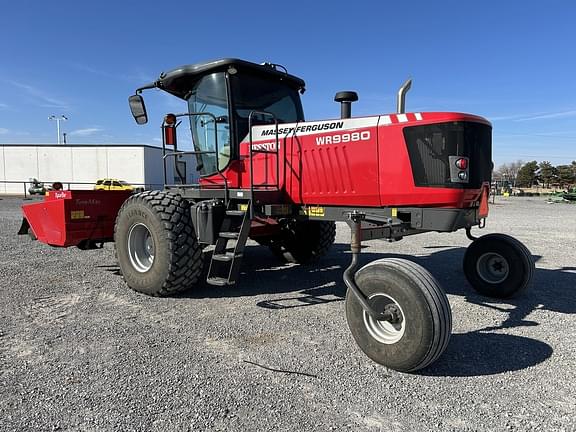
199	114
251	154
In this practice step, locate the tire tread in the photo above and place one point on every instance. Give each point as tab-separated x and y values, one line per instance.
185	264
436	301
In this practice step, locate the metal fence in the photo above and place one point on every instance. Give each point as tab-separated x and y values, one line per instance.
24	186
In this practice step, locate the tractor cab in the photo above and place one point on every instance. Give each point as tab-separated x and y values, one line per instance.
224	98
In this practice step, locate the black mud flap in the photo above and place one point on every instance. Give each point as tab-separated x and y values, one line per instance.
25	229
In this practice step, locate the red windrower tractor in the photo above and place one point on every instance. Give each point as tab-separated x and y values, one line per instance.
269	175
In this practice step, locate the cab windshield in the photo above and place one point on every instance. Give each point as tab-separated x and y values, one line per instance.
248	93
254	93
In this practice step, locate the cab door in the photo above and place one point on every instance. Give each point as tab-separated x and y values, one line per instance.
210	125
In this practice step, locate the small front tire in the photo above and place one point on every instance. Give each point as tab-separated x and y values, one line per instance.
421	334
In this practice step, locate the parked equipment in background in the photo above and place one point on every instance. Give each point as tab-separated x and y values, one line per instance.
112	184
269	175
37	187
570	195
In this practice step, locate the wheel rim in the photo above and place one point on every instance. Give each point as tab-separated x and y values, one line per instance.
492	268
140	247
384	331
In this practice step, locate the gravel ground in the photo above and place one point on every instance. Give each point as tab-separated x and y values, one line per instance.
79	351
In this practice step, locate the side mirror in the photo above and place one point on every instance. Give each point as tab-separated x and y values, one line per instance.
138	109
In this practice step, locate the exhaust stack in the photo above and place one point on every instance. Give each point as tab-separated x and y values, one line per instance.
346	98
401	104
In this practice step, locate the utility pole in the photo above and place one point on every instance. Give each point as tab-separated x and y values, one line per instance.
58	119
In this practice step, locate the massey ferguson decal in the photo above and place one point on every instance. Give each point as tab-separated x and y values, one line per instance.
313	128
318	127
345	130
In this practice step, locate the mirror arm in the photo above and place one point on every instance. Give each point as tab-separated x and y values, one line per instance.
146	87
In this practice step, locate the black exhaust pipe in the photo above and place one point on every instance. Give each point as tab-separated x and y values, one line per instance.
346	98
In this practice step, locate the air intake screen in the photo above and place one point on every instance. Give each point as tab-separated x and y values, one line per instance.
430	146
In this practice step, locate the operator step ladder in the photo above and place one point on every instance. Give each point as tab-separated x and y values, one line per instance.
226	258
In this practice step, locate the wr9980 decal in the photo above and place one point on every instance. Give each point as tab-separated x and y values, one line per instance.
343	138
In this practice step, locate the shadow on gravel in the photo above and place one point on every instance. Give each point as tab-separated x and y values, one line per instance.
309	298
469	354
479	353
263	273
552	290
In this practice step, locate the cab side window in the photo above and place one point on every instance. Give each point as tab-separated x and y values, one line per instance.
209	95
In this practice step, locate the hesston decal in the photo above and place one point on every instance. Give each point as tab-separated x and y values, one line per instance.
268	146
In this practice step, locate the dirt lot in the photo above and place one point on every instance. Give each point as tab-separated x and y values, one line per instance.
80	351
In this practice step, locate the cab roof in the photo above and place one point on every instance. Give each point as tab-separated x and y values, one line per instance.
178	81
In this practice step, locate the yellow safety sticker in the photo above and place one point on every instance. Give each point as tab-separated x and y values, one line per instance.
314	211
243	207
77	214
394	212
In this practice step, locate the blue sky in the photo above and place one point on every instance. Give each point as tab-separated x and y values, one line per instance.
513	62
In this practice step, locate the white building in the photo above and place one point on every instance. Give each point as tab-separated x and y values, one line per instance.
79	166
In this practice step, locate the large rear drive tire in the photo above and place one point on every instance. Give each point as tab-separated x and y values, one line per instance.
302	242
156	244
423	331
497	265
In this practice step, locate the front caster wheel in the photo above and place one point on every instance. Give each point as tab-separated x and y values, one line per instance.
421	329
497	265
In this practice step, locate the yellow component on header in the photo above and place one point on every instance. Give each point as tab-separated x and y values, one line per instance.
394	212
314	211
77	214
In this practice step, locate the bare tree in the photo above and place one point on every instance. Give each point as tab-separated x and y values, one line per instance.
508	171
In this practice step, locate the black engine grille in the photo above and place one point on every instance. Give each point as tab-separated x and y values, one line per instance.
429	148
